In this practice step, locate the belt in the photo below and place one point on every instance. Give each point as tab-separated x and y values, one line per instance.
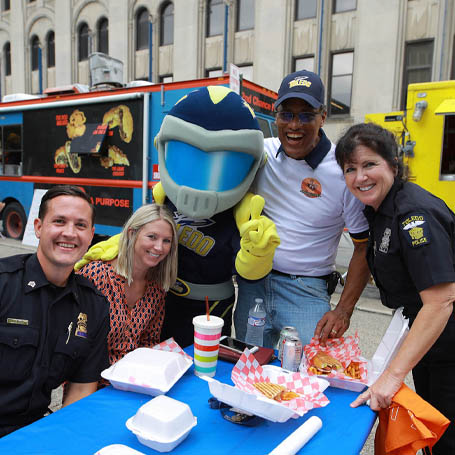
194	291
290	275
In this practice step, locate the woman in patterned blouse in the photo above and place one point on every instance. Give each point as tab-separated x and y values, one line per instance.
136	281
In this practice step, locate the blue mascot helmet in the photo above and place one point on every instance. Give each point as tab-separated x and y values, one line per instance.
210	147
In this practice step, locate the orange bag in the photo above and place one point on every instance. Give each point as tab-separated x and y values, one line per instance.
409	424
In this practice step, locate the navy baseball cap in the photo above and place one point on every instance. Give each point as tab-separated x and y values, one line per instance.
305	85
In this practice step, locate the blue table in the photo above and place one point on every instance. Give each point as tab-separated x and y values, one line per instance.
99	420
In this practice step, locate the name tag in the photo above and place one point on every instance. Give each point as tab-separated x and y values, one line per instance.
17	321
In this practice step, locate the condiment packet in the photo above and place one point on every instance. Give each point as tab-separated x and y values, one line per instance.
171	345
247	371
344	349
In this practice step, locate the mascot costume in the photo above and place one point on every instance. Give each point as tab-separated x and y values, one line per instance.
210	147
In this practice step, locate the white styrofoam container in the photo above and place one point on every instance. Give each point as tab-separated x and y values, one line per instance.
118	449
258	405
162	423
385	352
147	370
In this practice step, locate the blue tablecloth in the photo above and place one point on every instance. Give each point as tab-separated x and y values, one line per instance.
99	420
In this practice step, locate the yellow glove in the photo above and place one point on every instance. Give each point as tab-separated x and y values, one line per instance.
101	251
159	196
258	238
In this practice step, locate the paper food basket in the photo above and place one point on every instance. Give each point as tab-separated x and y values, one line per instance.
385	352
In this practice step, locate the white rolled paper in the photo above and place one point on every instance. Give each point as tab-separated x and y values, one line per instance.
296	440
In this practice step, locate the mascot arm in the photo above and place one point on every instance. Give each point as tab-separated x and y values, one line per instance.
101	251
258	238
159	195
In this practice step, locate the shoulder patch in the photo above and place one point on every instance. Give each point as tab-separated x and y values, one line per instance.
416	230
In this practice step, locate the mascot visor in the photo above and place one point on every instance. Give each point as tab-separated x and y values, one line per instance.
219	170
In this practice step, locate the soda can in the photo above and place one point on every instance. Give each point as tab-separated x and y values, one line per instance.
292	354
286	332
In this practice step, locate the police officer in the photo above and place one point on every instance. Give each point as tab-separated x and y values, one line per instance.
53	324
411	255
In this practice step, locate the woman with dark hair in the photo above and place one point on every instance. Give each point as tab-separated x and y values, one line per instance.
411	254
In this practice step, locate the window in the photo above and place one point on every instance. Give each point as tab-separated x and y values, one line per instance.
341	83
304	63
452	76
214	72
305	9
215	17
344	5
448	147
50	49
12	149
34	51
245	15
82	39
5	5
142	29
103	36
7	58
167	25
418	60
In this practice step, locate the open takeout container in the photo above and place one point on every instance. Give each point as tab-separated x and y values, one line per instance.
147	370
245	398
385	352
162	423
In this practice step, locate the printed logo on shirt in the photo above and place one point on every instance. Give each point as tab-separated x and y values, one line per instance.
190	236
416	230
81	329
311	187
180	288
385	242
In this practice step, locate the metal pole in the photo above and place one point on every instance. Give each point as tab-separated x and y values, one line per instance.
226	16
150	51
40	69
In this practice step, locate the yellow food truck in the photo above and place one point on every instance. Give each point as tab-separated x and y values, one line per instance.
426	134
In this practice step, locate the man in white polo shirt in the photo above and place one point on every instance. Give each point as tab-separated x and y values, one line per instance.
305	195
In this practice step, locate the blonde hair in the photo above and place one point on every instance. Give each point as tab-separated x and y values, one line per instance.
165	273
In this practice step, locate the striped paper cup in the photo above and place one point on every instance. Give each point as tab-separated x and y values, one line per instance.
206	344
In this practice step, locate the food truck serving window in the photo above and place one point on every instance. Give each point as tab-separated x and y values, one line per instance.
11	150
448	149
91	141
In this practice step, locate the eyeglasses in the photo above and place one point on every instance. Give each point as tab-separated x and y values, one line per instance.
304	117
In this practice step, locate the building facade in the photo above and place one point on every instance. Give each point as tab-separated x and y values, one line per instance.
366	51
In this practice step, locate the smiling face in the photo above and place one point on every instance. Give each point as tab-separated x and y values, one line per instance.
368	176
298	139
153	244
64	234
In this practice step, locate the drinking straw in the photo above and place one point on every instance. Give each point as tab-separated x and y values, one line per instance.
207	307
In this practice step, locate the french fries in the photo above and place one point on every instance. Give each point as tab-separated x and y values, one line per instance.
275	391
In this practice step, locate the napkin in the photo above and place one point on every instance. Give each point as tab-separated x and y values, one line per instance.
409	424
298	438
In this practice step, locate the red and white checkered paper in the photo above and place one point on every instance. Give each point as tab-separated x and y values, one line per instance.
247	371
344	349
171	345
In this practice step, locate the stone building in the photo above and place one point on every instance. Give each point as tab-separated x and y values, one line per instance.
366	51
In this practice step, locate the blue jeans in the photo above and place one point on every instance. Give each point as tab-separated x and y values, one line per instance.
289	300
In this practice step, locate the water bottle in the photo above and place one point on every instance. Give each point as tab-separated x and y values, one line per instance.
256	323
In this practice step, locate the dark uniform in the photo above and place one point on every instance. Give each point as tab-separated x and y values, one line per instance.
206	255
411	248
48	335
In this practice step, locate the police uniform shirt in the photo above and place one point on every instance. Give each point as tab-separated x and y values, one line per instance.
411	245
47	335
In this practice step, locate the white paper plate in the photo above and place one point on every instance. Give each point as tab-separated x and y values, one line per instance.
255	404
118	449
146	370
